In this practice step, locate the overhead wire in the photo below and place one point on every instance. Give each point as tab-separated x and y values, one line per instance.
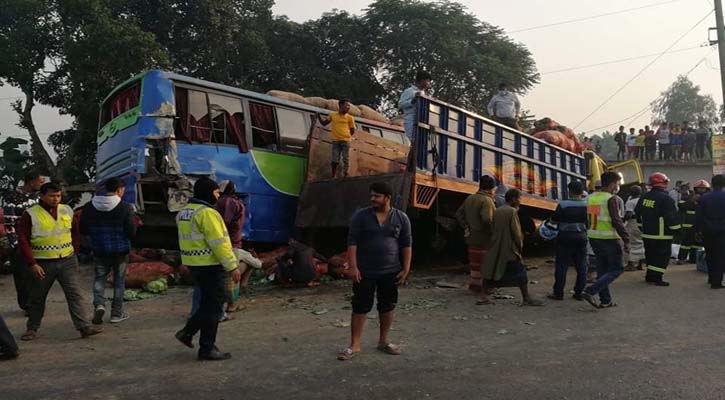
634	117
571	21
641	71
618	61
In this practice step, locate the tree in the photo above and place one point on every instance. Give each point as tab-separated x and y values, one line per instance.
27	42
467	57
14	163
682	101
328	57
90	66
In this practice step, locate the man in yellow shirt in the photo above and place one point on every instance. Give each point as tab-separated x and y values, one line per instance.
342	127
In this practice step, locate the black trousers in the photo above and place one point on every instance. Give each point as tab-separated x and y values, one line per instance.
22	277
210	281
715	256
657	254
7	341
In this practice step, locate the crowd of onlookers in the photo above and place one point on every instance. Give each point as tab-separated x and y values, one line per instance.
670	142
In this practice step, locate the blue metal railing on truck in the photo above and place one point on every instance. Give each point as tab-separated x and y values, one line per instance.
458	144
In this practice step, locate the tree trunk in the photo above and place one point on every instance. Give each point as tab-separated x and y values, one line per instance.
38	150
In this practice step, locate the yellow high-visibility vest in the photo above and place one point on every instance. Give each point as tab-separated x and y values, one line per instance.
50	238
203	237
600	222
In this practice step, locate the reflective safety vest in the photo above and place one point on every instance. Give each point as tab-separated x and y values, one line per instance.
50	238
600	222
203	237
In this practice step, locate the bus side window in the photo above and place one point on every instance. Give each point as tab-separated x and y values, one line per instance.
264	126
227	121
199	118
292	130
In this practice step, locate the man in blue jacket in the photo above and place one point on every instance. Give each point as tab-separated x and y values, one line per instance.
110	224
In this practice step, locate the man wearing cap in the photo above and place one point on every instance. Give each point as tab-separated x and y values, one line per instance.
475	216
207	251
658	214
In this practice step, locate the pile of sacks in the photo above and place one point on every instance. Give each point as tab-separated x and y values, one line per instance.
362	111
559	135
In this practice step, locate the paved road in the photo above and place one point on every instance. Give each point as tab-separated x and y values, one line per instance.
660	343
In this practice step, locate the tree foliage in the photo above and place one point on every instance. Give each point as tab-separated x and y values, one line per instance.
14	163
682	101
467	57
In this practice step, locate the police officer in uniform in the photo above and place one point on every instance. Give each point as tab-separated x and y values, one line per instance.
657	213
207	250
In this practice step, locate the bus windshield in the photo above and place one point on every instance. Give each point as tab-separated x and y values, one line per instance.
123	101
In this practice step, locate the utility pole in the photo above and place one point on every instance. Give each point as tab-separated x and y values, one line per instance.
720	43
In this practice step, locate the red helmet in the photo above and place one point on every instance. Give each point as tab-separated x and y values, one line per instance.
659	180
702	184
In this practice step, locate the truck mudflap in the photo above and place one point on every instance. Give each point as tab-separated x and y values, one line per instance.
331	203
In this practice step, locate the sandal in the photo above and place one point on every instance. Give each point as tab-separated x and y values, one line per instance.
347	354
235	308
608	305
226	317
29	335
485	302
389	348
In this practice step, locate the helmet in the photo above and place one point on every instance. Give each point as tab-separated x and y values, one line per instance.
659	180
702	184
548	230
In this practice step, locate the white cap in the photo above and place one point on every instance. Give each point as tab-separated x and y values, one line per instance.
223	185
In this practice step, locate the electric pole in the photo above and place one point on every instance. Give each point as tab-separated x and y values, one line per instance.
720	43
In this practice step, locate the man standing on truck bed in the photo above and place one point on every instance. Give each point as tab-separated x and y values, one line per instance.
504	107
342	127
608	237
407	103
475	216
658	214
379	248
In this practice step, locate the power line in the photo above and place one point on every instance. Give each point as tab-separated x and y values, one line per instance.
641	71
11	98
618	61
638	114
571	21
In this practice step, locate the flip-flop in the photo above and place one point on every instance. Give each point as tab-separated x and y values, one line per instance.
389	348
347	354
485	302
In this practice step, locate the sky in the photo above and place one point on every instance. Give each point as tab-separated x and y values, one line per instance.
568	97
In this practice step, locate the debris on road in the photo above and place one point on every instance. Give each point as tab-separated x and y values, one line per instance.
503	297
459	318
341	324
530	323
320	311
447	285
503	332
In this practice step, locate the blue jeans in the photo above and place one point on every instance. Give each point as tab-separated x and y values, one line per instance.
105	265
609	266
568	253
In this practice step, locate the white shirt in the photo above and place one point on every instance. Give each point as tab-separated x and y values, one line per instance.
407	105
664	136
631	204
631	140
504	104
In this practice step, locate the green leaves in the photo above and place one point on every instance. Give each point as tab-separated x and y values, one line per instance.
682	101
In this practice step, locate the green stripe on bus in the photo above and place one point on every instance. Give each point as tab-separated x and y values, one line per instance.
285	173
123	121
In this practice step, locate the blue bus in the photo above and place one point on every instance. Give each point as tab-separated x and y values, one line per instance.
160	131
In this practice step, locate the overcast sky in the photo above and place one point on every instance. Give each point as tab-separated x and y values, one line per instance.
569	97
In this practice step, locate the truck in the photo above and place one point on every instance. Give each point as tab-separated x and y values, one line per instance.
452	148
